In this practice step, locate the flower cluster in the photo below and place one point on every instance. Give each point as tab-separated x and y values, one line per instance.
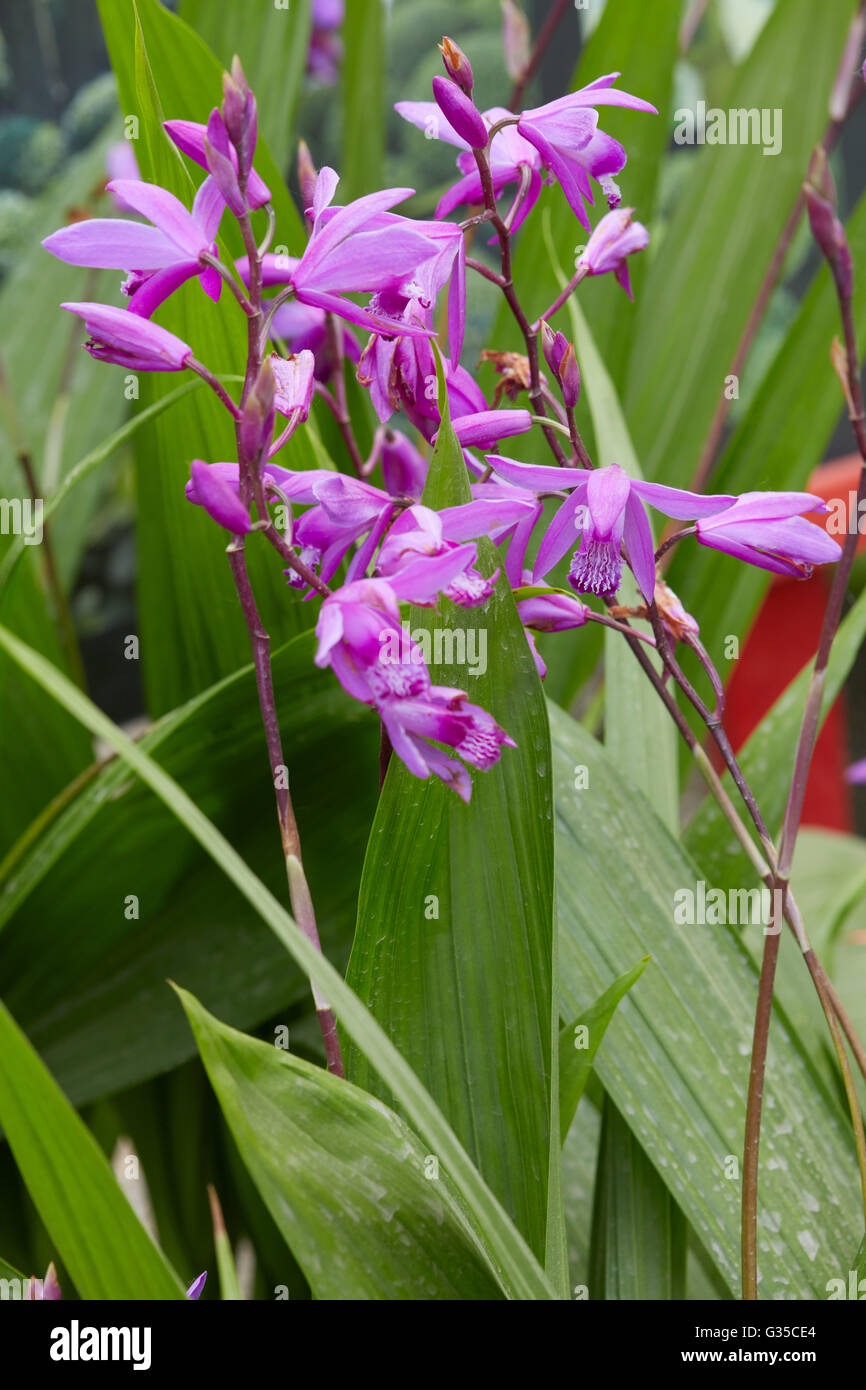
363	548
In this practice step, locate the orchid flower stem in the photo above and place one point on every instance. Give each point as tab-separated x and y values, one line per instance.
216	264
251	487
754	1106
530	333
782	905
833	611
673	540
561	298
520	195
548	29
558	410
268	237
341	415
549	424
215	385
299	893
627	631
577	443
492	275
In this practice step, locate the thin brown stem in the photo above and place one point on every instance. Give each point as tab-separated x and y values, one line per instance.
546	33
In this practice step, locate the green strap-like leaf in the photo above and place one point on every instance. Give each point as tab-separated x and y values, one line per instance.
675	1059
98	1236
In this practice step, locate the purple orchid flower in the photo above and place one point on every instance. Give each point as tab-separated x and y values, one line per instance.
209	488
483	428
302	327
160	257
607	508
444	714
615	237
565	133
397	369
361	639
509	155
421	531
768	529
210	144
344	256
118	336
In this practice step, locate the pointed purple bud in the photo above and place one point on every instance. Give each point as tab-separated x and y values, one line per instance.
457	65
117	335
481	429
560	358
220	164
307	175
569	377
233	108
208	488
195	1289
256	427
829	234
460	112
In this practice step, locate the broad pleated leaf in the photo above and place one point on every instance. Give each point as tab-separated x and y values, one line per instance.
453	946
675	1057
347	1182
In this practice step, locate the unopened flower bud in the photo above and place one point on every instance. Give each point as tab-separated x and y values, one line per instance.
233	107
569	378
460	112
306	175
827	230
560	357
457	65
220	164
257	423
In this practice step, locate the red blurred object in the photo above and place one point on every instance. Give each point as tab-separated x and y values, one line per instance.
782	639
